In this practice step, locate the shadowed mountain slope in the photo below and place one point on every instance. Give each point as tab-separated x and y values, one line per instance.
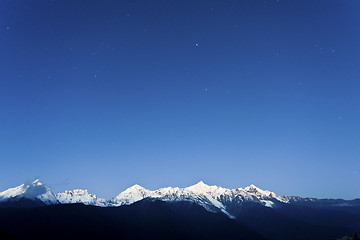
146	219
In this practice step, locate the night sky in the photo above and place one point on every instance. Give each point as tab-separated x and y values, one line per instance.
105	94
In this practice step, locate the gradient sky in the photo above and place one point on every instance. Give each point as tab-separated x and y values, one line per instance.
105	94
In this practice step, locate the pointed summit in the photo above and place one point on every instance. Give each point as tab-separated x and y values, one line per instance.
200	187
201	183
130	195
135	187
36	182
33	191
252	189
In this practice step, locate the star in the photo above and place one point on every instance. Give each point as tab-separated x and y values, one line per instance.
196	44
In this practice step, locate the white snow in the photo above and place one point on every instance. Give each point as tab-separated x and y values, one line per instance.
131	195
252	189
34	190
213	198
80	196
268	203
210	197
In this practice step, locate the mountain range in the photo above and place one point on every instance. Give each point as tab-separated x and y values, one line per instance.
263	213
212	198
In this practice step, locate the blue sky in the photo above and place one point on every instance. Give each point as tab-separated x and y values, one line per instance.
105	94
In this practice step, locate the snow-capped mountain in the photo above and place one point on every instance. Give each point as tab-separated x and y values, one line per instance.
199	193
131	195
249	206
33	191
80	196
212	198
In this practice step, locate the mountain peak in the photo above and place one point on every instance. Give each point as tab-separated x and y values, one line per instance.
132	194
255	190
80	196
201	183
136	186
77	192
34	190
252	187
199	187
36	182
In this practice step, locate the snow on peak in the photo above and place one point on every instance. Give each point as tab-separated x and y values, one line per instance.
213	198
200	187
34	190
200	193
135	187
252	189
13	192
252	186
264	194
131	195
135	190
201	183
80	196
208	196
37	182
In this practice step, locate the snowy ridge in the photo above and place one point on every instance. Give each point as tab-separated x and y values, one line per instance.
252	189
213	198
80	196
197	193
35	191
131	195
